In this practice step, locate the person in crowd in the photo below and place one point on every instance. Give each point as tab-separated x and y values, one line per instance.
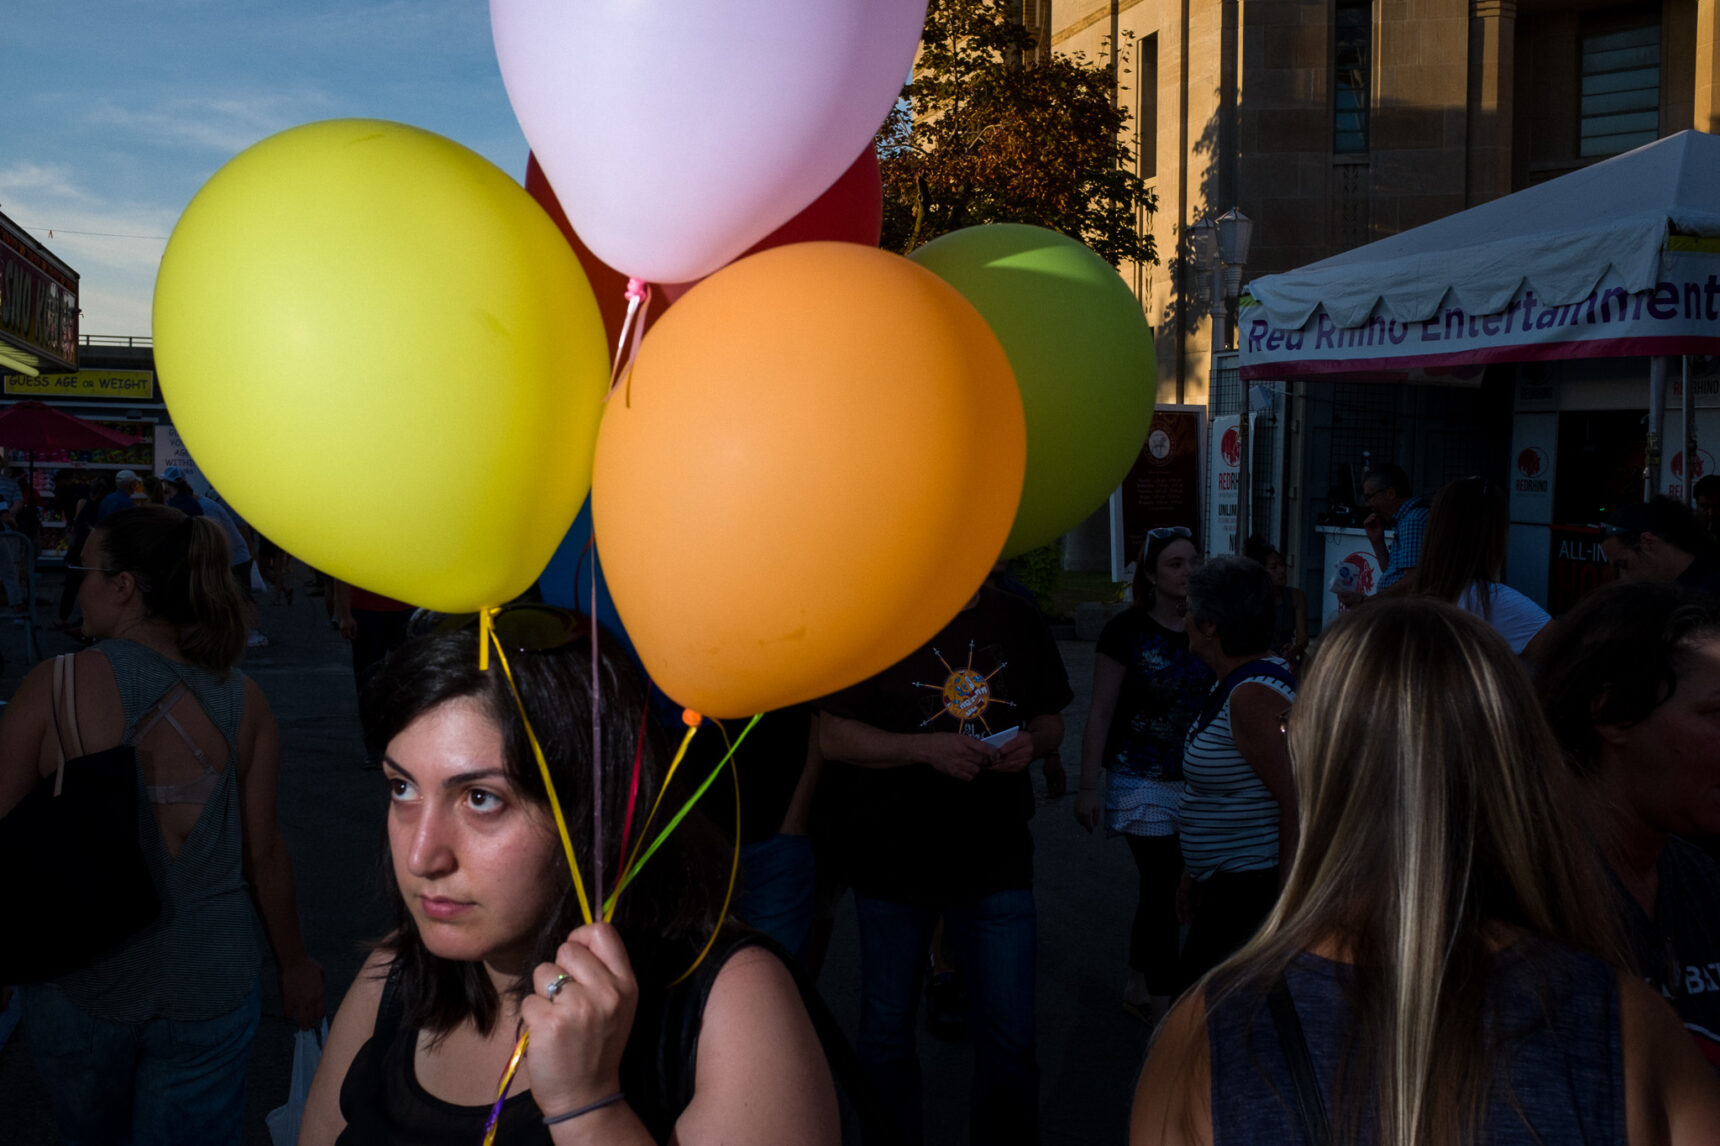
276	565
1290	630
11	489
176	488
1147	689
151	1044
1464	558
1662	540
376	626
932	757
779	765
1437	969
669	1025
79	522
1386	490
1238	813
1705	498
1632	690
124	494
243	539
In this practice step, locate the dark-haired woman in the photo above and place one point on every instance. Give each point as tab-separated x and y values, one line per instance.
1631	686
1238	812
1463	556
1147	688
634	1038
1436	972
151	1044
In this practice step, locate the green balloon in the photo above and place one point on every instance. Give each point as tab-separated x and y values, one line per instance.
1082	351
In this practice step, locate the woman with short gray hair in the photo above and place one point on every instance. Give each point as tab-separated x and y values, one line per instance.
1238	813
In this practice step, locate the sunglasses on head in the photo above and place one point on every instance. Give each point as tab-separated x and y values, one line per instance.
1167	531
526	627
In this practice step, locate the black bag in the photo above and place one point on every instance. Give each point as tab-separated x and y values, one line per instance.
75	877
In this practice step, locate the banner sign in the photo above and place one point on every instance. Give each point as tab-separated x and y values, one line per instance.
1224	481
1681	315
170	451
1162	488
38	299
131	385
1576	566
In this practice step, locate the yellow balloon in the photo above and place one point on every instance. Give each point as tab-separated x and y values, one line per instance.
384	355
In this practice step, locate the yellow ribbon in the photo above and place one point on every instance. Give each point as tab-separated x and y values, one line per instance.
548	784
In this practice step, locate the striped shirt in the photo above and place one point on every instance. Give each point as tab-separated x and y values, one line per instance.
1229	818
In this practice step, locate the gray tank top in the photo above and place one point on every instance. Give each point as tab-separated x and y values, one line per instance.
1552	1013
200	957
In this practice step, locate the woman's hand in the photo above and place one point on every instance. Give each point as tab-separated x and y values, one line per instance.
302	993
577	1038
1088	808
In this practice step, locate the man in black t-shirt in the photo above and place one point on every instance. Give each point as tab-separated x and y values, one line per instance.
930	756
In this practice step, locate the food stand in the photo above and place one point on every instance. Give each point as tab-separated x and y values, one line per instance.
1588	288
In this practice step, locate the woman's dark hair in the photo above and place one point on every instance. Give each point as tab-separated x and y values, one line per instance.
1615	658
183	567
665	915
1464	542
1142	588
1257	548
1235	594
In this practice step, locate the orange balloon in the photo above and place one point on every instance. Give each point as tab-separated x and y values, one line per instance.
815	462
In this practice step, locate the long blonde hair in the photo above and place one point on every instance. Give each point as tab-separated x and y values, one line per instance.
1437	822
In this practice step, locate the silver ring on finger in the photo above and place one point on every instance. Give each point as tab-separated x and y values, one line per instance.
554	986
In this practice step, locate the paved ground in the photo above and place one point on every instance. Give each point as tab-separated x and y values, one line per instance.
332	810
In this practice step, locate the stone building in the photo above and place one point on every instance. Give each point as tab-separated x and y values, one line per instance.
1332	123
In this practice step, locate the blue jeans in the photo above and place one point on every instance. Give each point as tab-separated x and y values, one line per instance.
777	882
165	1082
992	939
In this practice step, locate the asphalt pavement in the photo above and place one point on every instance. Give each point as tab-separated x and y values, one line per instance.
331	811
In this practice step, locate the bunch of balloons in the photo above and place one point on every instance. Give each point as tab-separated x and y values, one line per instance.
396	362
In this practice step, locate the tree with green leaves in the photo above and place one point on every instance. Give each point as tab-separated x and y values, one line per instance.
983	133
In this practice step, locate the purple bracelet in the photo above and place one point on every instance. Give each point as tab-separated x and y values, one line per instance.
552	1119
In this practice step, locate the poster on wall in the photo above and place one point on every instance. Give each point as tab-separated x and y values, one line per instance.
1224	477
1534	450
1673	475
1162	487
1576	566
170	451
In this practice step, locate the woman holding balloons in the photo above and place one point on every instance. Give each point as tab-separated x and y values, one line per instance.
668	1024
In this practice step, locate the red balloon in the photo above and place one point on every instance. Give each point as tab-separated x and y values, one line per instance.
607	283
851	210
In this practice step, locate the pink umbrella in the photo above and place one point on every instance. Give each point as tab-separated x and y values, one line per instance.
31	426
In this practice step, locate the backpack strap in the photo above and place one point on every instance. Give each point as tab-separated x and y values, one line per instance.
65	696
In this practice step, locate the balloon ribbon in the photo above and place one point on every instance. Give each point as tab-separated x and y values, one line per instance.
638	306
632	869
502	1089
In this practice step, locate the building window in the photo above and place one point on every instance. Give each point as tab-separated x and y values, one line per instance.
1352	58
1147	107
1620	71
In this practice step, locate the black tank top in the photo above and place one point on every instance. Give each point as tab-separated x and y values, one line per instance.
383	1102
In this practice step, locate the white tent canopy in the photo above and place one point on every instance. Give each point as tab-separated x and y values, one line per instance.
1617	258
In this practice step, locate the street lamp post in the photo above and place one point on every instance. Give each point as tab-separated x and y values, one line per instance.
1220	248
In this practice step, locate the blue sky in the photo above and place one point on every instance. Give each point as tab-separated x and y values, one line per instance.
116	112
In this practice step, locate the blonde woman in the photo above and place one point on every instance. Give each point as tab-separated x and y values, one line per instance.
1437	969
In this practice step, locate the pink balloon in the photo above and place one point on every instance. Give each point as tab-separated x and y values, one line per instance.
677	136
851	211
